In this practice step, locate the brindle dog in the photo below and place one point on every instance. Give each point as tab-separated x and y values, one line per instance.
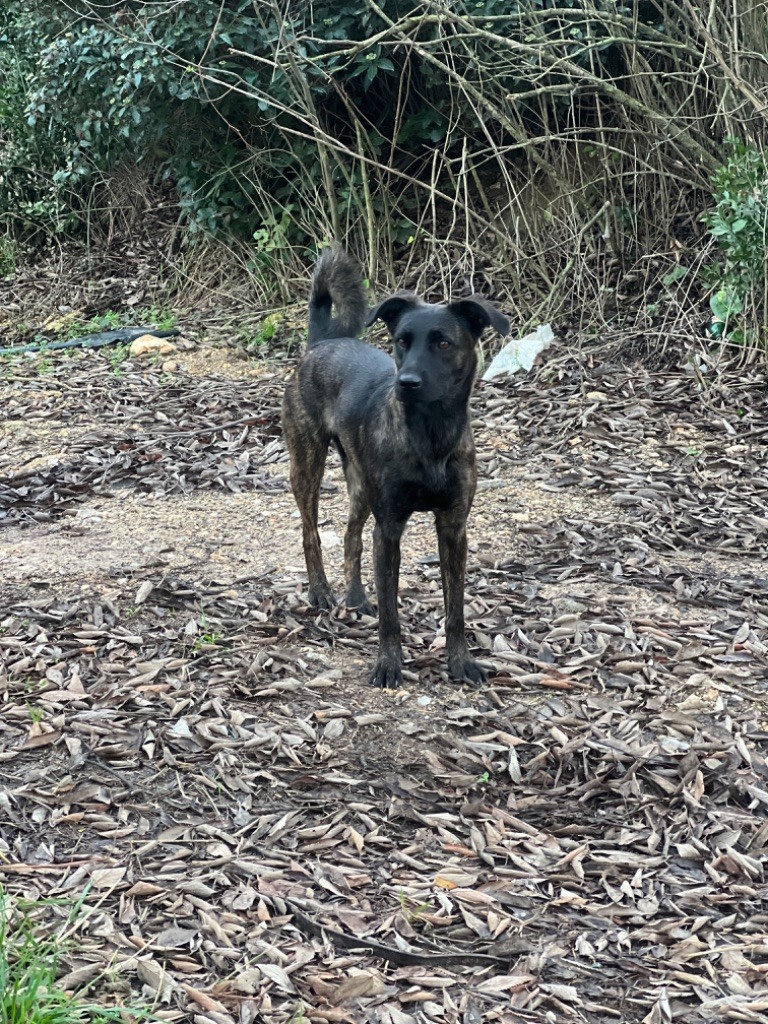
402	430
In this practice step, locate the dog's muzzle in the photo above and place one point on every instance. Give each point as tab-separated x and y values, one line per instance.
408	386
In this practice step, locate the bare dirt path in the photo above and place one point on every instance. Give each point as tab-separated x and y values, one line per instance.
185	742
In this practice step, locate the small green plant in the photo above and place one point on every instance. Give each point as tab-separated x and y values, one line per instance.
112	320
159	317
269	338
116	355
36	713
28	969
43	361
739	225
206	640
272	236
108	321
7	257
410	912
256	341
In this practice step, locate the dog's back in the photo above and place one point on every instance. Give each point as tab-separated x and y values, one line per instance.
336	282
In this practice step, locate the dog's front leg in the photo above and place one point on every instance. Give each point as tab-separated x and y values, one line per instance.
452	546
388	671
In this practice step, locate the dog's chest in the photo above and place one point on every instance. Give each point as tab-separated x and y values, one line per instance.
427	489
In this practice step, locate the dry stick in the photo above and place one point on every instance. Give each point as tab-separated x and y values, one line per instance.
313	119
370	219
473	94
390	953
335	144
759	105
481	100
369	214
497	153
563	65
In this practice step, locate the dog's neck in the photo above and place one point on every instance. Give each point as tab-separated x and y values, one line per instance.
436	431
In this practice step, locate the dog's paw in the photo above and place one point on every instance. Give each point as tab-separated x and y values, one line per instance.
387	673
357	600
467	670
322	598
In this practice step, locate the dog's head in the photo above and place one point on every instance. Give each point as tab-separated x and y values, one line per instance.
435	345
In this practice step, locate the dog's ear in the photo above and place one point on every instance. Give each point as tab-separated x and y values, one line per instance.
391	310
478	313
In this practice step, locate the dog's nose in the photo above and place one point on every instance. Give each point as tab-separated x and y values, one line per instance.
409	381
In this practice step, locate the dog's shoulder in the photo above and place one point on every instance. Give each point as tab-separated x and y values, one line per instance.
348	360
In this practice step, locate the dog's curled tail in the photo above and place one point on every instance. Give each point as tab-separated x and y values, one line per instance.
337	281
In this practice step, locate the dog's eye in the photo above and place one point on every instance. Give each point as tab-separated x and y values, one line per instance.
443	344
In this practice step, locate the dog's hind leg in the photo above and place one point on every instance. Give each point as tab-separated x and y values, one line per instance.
359	512
308	452
452	547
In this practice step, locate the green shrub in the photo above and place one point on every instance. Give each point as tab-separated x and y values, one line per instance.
524	140
739	225
221	98
31	202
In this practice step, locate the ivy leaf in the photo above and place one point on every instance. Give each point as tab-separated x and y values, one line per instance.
370	74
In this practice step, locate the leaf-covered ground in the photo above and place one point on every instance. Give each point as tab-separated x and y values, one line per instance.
257	835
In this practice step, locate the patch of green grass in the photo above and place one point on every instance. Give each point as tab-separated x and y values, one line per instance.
108	321
116	355
159	317
256	340
270	338
8	257
28	971
206	640
162	318
43	360
36	714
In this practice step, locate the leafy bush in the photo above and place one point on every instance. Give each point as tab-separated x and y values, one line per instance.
237	114
538	138
739	225
31	203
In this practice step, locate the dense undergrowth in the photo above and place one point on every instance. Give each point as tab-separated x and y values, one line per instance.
564	155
